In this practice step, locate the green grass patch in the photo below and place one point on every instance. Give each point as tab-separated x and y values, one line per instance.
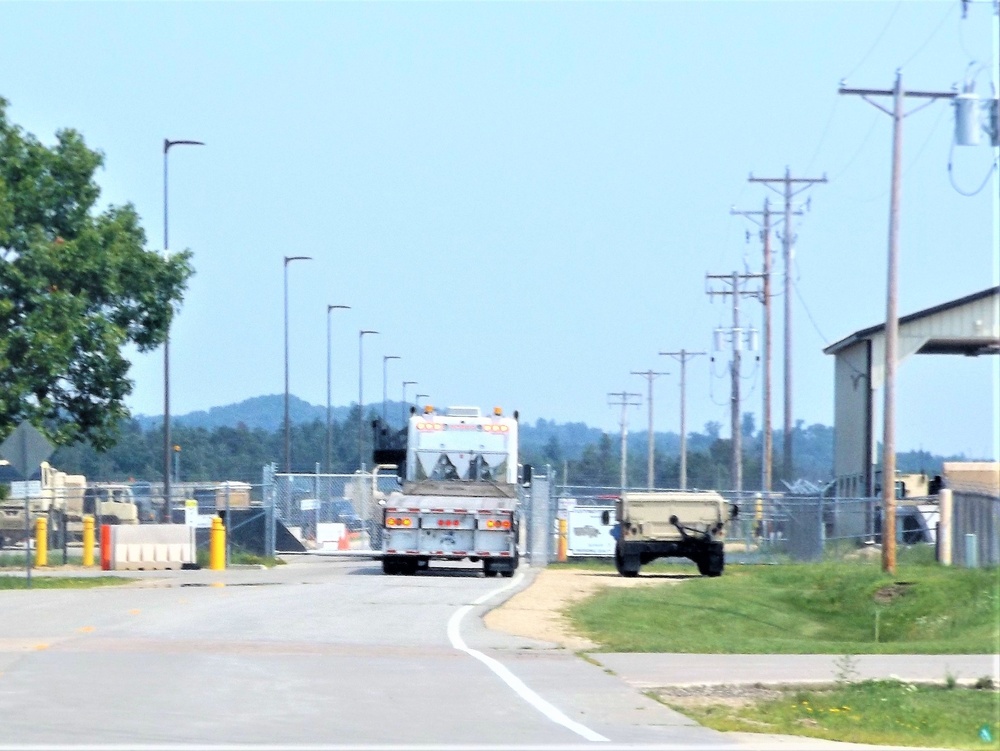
60	582
890	713
821	608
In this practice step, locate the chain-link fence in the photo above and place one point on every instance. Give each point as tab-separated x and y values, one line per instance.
769	527
318	511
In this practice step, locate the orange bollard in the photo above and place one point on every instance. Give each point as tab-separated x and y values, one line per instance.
105	547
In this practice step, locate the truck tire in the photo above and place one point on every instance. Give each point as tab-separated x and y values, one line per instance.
711	560
627	565
390	566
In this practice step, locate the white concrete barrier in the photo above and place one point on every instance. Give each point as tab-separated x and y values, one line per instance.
145	547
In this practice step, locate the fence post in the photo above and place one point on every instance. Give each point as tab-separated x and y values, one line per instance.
944	537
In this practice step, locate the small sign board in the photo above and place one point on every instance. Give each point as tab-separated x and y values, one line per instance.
587	535
308	504
30	489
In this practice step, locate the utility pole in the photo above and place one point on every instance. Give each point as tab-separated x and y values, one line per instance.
682	357
649	375
736	335
767	449
624	400
891	315
788	238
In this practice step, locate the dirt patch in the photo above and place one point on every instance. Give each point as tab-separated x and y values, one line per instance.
704	696
538	611
885	595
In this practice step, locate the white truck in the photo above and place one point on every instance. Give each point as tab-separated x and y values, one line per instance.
459	497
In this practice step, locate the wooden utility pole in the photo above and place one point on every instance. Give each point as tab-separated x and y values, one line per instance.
649	375
767	449
624	400
682	357
787	470
736	335
891	308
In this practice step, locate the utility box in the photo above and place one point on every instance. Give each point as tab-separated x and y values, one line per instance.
238	495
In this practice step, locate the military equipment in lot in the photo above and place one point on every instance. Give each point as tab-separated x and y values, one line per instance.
677	524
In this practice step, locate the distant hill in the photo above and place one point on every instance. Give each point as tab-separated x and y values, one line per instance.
268	412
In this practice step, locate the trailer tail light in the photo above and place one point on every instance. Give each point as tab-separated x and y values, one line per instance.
398	521
497	524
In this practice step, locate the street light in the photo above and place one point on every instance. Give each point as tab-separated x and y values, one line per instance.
418	397
167	143
328	429
385	361
288	434
405	384
361	399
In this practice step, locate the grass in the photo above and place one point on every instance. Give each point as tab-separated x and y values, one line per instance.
873	712
60	582
240	557
819	608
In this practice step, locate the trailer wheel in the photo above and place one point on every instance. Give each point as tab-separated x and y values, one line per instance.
390	566
627	565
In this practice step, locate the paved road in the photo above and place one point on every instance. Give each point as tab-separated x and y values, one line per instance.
322	651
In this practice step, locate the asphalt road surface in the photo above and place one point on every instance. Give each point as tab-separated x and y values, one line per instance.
321	652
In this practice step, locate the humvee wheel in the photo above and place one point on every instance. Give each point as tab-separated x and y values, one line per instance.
626	565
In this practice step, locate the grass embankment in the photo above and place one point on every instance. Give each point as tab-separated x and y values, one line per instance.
826	608
876	712
9	581
823	608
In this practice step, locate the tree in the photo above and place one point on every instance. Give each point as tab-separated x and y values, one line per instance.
76	287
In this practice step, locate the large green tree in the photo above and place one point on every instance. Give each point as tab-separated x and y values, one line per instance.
76	287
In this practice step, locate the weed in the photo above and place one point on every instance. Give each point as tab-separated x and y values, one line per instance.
984	683
847	669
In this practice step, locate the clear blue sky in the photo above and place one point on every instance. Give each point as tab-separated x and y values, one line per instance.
524	198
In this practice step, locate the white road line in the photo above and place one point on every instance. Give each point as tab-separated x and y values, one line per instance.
455	636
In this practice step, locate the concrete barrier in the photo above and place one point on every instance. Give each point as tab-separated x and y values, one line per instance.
146	547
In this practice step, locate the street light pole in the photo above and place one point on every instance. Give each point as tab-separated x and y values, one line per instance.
385	395
167	143
288	433
361	398
405	384
328	379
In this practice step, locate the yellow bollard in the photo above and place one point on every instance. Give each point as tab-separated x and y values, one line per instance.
217	545
88	540
563	542
41	541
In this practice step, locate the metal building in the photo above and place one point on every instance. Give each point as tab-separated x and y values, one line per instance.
968	326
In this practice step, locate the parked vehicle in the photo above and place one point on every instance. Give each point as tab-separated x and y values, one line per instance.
680	524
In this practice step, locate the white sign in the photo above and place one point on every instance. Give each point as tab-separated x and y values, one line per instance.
586	535
191	513
29	489
308	504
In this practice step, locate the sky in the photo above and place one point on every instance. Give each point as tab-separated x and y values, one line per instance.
524	199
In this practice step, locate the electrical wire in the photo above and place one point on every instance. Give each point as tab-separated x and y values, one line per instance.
809	314
914	160
951	175
864	141
932	34
878	39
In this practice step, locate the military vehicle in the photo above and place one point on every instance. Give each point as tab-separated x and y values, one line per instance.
677	524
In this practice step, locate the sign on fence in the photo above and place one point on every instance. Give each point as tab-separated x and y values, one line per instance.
587	535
